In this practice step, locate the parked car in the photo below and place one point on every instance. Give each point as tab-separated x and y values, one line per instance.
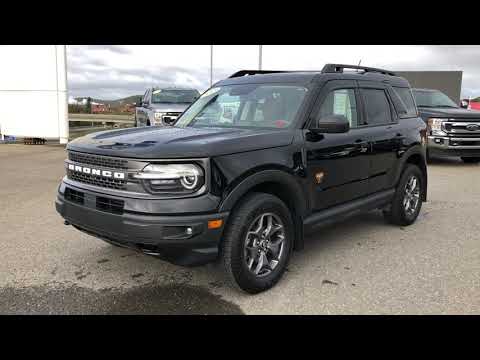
295	151
162	106
452	131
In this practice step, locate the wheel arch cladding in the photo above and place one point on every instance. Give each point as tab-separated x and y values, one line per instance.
415	157
280	184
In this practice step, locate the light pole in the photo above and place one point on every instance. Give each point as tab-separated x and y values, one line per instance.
259	57
211	65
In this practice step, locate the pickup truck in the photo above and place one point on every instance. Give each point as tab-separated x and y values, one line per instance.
452	131
162	106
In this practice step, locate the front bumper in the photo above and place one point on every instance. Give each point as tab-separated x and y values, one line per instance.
448	146
181	239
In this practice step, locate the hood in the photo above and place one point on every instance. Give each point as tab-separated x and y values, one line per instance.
165	107
173	142
457	113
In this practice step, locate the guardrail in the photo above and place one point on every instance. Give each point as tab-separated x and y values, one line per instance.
82	124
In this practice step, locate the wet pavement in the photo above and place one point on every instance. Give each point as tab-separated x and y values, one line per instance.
360	266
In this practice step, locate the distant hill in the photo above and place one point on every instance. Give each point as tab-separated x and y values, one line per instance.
118	102
476	99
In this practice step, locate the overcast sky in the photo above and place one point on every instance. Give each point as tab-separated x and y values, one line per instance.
112	72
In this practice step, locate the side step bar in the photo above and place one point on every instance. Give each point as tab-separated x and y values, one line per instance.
344	211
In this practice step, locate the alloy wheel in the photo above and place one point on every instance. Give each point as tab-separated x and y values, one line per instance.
264	244
411	197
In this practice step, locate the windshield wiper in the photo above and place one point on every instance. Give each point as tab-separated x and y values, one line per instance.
447	106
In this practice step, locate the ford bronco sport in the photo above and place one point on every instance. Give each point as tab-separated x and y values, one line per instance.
452	131
295	151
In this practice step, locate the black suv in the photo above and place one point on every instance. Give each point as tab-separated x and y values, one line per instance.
452	131
259	160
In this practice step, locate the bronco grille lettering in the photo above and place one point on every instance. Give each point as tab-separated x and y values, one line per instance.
97	172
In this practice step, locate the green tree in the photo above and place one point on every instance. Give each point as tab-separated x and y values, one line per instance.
89	106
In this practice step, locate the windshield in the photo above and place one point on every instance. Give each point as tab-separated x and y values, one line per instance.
248	105
174	96
433	99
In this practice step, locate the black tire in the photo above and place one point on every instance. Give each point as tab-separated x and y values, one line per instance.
148	122
396	214
471	160
233	253
428	159
135	123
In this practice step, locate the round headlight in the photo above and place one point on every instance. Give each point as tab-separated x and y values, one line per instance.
189	182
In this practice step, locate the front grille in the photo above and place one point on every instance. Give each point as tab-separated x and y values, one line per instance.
74	196
102	161
463	127
97	180
170	117
454	142
110	205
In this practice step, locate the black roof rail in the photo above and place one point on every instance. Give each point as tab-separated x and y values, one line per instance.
335	68
254	72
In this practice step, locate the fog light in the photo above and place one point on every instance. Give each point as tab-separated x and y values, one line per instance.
215	224
189	231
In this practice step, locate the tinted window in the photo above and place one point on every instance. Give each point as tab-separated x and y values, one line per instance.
433	98
405	94
377	107
340	102
174	96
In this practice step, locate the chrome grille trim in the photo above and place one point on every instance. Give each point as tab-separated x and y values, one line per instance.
455	127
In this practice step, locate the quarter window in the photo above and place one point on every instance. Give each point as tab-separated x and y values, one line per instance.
340	102
405	94
377	107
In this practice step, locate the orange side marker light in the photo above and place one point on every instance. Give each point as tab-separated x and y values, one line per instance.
214	224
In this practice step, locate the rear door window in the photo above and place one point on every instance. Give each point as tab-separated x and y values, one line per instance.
377	106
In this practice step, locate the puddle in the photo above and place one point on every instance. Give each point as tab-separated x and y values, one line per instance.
147	299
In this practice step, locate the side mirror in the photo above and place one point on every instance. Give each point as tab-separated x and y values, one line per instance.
332	124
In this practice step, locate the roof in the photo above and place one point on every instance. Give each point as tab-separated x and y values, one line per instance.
305	77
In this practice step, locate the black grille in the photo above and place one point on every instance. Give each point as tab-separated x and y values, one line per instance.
101	161
97	180
74	196
110	205
170	117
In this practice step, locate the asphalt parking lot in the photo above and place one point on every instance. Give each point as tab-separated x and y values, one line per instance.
361	266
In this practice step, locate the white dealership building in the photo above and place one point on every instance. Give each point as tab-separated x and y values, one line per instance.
33	92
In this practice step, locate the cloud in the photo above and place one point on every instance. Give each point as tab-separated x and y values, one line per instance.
112	71
117	49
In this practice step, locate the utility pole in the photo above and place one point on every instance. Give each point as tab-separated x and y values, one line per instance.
259	57
211	65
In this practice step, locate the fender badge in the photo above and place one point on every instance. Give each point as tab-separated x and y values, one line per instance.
319	177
